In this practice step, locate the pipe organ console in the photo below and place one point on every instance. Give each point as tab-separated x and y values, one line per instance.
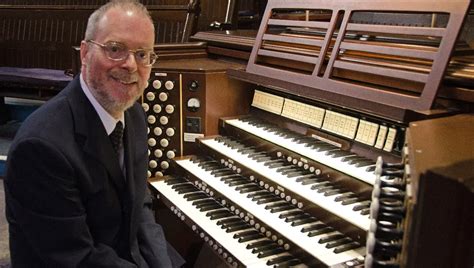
356	148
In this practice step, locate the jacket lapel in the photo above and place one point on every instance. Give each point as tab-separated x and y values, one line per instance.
91	133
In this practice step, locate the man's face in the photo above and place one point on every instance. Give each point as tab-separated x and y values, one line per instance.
118	84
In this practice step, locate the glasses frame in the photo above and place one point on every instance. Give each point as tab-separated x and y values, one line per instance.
153	55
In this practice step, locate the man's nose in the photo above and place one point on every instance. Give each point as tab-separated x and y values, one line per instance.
130	62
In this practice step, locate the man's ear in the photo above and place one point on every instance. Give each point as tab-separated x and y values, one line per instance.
84	51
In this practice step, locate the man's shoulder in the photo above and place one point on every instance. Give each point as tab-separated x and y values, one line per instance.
47	120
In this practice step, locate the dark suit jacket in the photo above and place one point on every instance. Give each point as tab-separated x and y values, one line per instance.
68	202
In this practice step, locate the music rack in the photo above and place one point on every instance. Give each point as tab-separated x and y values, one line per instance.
321	52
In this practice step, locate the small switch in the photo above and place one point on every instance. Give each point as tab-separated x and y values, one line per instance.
193	124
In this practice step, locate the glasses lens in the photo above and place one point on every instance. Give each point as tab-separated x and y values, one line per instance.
153	58
145	57
116	51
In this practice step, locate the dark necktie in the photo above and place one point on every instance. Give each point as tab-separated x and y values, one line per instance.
116	136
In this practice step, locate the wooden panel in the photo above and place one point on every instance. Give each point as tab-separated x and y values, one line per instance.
43	36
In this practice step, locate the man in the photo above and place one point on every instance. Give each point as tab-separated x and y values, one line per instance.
74	197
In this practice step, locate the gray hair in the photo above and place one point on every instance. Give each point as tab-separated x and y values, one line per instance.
94	18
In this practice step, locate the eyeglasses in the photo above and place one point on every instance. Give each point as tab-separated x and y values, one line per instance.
118	52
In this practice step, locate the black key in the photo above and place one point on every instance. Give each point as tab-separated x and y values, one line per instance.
356	160
282	208
302	221
230	177
364	163
330	238
301	215
289	263
175	180
221	172
313	227
365	211
215	215
333	192
238	182
209	207
237	227
290	170
262	196
351	158
289	214
277	204
320	231
279	259
320	185
297	174
325	188
228	221
194	196
274	161
362	205
286	167
259	244
349	201
201	202
344	196
263	158
312	180
270	252
248	188
346	247
248	236
181	185
270	246
268	199
277	164
338	153
339	242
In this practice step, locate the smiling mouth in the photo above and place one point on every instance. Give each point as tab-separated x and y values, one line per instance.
125	82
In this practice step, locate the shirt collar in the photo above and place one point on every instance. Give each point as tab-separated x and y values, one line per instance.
108	120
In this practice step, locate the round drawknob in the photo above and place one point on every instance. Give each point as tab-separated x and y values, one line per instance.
158	153
156	84
170	132
152	164
164	142
169	108
151	119
157	108
157	131
150	96
164	165
164	120
158	174
151	142
170	154
163	96
169	85
145	107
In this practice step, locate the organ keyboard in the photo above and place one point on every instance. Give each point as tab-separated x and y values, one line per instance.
326	170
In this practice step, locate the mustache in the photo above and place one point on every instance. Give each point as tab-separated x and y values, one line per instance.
124	76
